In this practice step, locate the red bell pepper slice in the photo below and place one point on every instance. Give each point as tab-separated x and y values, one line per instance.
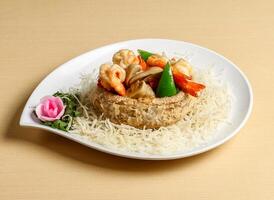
185	85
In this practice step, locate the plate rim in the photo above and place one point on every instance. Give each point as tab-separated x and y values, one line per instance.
133	155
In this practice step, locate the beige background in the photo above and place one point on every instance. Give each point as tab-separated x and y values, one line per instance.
38	36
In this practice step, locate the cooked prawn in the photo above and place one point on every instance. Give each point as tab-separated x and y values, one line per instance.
103	77
105	85
183	67
157	60
113	76
142	63
124	58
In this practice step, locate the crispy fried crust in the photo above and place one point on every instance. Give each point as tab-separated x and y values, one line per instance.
142	112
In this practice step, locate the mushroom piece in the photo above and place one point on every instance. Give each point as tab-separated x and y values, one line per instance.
144	74
140	89
153	80
131	71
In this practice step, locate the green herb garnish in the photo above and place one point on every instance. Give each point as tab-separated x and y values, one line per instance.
71	111
71	103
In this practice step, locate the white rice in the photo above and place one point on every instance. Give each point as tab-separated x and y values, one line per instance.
207	113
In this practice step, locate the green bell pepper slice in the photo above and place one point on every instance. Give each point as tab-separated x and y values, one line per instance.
144	54
166	86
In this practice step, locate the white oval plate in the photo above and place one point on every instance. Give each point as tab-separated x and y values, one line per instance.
68	75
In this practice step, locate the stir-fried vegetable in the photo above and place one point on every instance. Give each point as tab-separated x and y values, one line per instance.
153	80
131	71
185	85
166	86
144	54
148	72
140	89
